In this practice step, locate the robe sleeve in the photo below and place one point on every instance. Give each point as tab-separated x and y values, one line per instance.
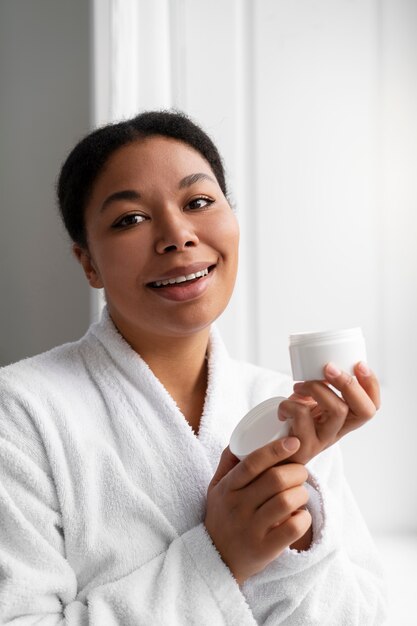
187	583
339	580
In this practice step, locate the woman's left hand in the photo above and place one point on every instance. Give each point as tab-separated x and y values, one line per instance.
319	417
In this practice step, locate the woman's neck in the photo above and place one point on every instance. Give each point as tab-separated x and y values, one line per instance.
181	366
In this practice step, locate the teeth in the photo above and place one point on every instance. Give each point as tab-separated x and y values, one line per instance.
180	279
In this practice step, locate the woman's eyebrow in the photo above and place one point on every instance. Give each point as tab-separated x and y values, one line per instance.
126	194
130	194
189	180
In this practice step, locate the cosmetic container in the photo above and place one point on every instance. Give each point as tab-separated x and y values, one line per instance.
259	427
310	352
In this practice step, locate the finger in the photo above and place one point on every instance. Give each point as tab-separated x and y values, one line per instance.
302	424
274	481
329	404
278	508
352	392
330	415
306	400
369	382
297	397
321	391
227	462
353	395
262	459
295	527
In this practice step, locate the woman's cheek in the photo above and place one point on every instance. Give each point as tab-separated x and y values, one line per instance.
227	234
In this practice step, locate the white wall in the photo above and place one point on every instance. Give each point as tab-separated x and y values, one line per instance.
313	107
44	108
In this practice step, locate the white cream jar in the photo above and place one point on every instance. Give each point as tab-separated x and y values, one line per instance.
310	352
259	427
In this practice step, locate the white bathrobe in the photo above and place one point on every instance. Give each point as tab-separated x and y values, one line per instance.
102	501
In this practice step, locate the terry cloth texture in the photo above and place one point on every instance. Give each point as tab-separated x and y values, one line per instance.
102	501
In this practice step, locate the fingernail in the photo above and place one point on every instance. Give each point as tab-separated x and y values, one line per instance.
363	368
332	370
290	443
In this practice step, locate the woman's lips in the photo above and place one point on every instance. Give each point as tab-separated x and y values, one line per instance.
182	271
180	279
183	291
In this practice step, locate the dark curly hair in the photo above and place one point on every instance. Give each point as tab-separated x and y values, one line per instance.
87	159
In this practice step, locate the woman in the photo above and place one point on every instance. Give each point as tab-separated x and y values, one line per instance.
118	504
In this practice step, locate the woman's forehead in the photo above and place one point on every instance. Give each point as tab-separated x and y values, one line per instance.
153	161
155	155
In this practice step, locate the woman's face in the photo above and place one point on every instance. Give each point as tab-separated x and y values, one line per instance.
157	214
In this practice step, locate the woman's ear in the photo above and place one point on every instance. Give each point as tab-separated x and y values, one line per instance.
90	270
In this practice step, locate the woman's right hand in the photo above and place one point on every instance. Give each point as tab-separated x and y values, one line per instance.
254	507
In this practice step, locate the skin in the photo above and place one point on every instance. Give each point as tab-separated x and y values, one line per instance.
165	220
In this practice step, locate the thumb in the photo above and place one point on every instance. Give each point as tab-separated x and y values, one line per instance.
227	462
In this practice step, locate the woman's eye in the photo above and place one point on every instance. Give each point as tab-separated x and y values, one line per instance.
199	203
129	220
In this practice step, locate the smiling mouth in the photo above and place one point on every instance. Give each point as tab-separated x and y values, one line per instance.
180	280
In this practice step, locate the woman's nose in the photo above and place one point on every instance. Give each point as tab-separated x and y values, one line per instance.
175	233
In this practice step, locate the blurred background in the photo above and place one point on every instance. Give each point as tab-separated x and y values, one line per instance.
313	104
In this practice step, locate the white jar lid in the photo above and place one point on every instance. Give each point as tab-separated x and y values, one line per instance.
259	427
325	336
